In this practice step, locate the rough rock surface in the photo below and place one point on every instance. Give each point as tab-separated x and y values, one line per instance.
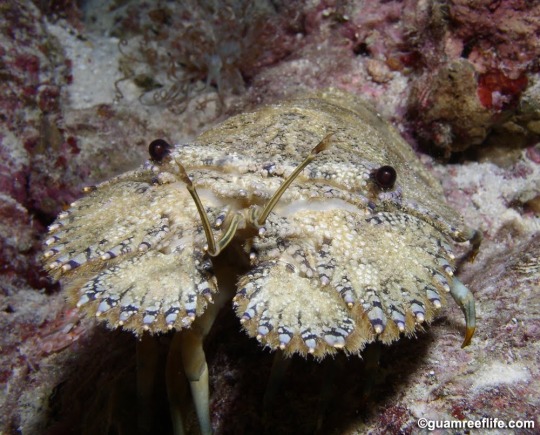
63	125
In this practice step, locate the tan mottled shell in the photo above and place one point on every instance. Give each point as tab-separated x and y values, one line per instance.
343	261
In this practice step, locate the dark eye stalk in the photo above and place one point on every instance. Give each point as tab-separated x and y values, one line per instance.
385	177
159	149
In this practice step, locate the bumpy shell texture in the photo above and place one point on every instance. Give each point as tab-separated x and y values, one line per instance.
357	249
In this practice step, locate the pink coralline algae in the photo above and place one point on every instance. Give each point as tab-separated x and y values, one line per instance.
30	131
487	46
468	63
459	79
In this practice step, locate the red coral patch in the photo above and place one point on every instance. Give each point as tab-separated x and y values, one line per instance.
497	91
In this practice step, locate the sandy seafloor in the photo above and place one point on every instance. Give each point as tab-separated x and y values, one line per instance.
60	371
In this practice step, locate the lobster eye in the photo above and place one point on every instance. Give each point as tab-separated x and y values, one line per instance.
159	149
385	177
